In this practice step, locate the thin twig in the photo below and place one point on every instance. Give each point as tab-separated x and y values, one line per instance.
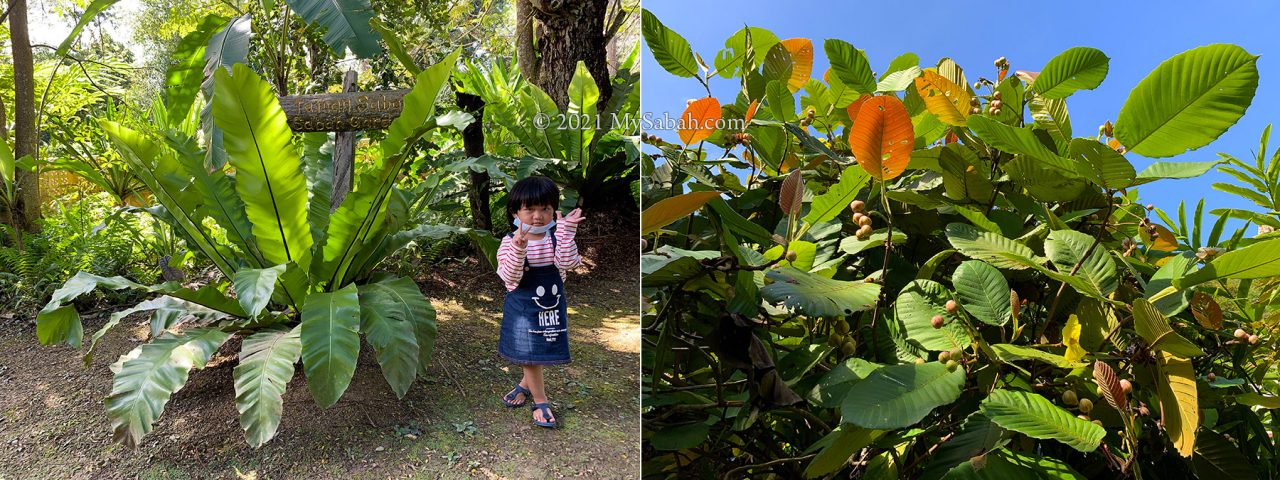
730	474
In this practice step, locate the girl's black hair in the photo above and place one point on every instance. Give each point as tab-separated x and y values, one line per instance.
532	192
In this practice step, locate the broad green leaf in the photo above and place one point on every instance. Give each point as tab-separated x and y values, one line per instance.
817	296
1216	457
830	390
671	209
398	299
184	76
162	306
90	12
1254	400
850	65
140	151
670	49
266	366
778	66
680	437
1013	353
146	381
1046	180
852	245
1260	260
345	24
1100	164
583	96
829	205
899	396
59	322
916	306
419	105
1179	407
1003	464
268	169
1154	328
226	48
965	177
330	342
1021	141
1176	267
1173	170
983	292
805	254
1188	101
255	286
386	321
1077	68
845	441
997	250
730	61
1052	115
899	80
1066	248
395	46
317	166
1036	417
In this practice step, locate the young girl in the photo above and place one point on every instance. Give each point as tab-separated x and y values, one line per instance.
532	262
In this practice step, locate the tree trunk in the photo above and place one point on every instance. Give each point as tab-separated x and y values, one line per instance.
473	146
26	142
573	30
526	54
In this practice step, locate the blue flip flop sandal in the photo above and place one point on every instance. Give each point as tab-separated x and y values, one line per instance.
546	413
510	399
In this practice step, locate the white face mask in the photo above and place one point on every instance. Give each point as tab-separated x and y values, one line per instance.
536	230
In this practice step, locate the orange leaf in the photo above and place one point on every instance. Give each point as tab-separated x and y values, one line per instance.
944	98
751	112
1164	240
854	107
801	50
698	121
1003	72
668	210
882	140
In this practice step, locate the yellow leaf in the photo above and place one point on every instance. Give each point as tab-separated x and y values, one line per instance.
1179	407
944	98
1071	338
671	209
801	50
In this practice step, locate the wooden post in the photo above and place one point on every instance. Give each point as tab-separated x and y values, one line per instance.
344	151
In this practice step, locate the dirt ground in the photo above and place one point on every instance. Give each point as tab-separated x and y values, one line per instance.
449	425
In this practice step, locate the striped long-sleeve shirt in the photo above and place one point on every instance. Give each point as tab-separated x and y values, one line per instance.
540	253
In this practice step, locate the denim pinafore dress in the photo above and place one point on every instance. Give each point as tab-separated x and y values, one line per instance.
535	330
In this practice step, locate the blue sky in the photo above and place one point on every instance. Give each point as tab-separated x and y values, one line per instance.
1136	38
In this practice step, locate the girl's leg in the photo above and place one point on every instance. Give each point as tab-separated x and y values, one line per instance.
533	374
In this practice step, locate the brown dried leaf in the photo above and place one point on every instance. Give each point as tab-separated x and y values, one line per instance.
1206	311
1110	384
792	196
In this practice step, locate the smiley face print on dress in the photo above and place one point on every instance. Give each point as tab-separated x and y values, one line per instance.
541	293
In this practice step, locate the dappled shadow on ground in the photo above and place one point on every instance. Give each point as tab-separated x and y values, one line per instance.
450	424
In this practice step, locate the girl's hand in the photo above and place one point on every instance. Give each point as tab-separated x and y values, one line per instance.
573	217
521	238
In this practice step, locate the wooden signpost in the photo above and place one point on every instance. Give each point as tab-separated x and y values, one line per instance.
343	113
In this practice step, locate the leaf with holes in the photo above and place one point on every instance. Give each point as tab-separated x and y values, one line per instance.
944	98
883	137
